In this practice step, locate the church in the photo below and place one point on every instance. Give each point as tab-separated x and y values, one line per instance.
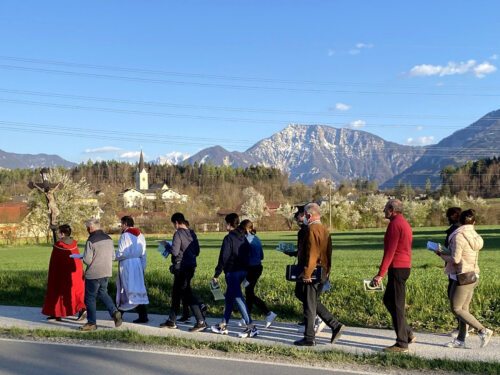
135	197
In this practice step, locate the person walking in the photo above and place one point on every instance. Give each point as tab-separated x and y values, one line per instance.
396	262
233	260
316	252
65	286
185	250
98	257
465	244
131	256
254	271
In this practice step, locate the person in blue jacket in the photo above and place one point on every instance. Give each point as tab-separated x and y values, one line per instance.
254	272
233	260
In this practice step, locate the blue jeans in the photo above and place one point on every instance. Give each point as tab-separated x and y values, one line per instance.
234	294
97	288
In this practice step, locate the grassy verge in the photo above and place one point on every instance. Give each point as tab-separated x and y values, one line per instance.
324	358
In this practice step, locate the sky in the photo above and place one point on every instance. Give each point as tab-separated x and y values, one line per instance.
104	79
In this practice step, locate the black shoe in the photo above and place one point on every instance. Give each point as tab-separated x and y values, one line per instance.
117	318
304	342
184	319
198	327
337	333
168	324
141	320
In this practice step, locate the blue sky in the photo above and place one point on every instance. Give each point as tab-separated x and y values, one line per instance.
101	79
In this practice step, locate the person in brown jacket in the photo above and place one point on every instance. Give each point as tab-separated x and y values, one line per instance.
317	251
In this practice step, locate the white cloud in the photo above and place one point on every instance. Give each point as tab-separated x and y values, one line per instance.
420	128
364	45
453	68
357	124
331	52
420	141
494	57
102	150
485	68
342	107
131	155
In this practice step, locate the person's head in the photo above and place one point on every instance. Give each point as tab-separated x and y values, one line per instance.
126	222
468	217
179	220
392	208
299	216
247	226
312	212
64	231
232	221
93	225
453	215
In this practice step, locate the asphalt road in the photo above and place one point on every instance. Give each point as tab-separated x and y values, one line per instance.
25	357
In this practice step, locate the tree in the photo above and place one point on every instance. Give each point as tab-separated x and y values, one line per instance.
254	204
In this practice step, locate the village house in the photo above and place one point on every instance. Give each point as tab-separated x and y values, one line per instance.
135	197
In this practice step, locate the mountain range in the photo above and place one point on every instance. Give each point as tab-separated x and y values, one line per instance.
313	152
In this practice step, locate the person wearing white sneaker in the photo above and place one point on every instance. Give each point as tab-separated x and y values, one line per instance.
254	271
465	244
456	344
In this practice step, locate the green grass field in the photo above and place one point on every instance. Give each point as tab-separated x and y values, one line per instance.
357	254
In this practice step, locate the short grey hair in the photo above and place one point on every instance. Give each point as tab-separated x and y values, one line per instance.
313	209
395	204
93	223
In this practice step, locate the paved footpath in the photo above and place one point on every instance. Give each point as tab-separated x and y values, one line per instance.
354	339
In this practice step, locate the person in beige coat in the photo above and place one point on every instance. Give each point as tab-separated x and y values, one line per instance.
465	244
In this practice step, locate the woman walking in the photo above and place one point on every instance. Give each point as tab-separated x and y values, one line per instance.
465	244
254	272
233	260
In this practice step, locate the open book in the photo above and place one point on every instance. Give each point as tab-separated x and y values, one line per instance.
286	247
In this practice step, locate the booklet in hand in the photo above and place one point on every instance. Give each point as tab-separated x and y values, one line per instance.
436	247
165	248
286	247
216	291
76	256
370	287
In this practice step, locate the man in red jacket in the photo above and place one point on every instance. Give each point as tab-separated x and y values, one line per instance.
397	264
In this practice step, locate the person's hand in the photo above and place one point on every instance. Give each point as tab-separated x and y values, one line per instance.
307	281
215	280
377	280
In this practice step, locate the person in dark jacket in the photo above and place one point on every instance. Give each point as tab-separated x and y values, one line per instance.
233	260
185	249
254	272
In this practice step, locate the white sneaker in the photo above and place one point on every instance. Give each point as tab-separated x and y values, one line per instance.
249	332
320	327
242	323
270	319
485	336
455	344
220	328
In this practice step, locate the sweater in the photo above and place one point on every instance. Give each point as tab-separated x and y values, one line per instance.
465	244
99	255
185	248
397	245
256	251
234	253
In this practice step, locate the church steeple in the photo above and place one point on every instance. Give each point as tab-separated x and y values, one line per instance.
141	175
141	163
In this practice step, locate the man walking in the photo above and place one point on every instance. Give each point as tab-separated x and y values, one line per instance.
98	257
131	256
396	262
316	252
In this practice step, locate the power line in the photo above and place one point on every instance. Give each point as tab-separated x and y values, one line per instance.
234	86
219	108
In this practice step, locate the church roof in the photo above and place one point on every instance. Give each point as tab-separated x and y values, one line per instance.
141	163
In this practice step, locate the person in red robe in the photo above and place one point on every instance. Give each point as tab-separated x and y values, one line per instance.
65	284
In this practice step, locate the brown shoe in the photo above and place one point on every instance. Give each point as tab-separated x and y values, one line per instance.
396	349
88	327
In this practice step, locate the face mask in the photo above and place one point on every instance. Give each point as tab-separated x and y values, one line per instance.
305	221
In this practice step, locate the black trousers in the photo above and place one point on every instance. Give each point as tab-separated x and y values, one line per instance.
181	290
253	274
309	295
142	311
395	301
